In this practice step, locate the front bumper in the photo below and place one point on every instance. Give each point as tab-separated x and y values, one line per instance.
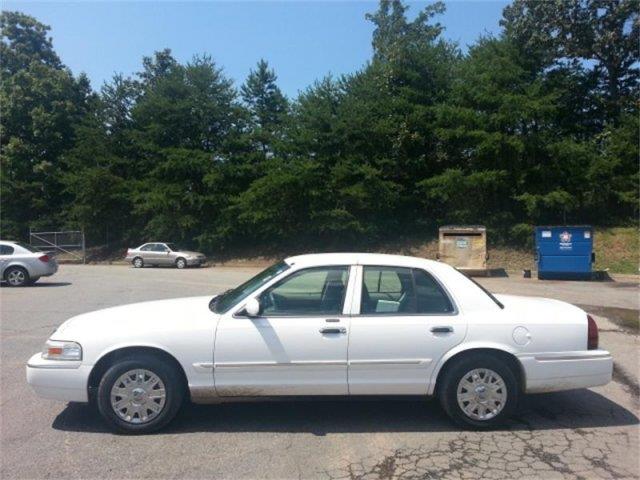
196	261
58	380
556	371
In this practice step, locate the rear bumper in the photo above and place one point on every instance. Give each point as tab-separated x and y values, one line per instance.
44	270
58	380
556	371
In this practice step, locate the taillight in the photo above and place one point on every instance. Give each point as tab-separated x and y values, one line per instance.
592	334
43	258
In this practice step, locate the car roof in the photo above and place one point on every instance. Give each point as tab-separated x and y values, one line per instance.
355	258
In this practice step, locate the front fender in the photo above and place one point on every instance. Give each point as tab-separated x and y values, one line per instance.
122	345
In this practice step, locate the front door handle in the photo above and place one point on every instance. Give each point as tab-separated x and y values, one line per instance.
333	330
441	329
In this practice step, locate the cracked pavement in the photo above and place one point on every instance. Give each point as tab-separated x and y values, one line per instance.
582	434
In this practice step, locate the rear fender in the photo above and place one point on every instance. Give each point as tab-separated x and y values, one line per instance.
462	348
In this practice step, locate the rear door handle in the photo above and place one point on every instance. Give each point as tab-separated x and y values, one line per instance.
441	329
333	330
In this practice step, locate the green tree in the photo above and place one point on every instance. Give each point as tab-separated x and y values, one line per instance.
267	106
603	32
42	102
184	120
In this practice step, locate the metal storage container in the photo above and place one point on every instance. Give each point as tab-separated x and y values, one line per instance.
464	247
564	252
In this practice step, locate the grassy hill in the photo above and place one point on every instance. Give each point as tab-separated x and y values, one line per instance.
617	250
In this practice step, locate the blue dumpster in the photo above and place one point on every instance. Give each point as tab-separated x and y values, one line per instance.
564	252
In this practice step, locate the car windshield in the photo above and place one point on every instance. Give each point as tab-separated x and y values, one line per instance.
26	246
175	247
230	298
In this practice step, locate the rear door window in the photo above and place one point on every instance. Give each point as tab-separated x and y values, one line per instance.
387	290
400	290
430	297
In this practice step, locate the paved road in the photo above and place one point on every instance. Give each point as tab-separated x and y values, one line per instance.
582	434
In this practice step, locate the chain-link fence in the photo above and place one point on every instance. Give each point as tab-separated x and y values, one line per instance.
68	243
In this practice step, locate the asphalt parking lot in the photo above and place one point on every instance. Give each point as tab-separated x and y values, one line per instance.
580	434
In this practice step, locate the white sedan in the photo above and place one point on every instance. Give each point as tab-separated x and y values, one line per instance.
326	324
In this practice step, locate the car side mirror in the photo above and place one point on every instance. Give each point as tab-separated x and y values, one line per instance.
252	307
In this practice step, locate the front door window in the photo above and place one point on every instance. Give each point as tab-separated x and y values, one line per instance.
309	292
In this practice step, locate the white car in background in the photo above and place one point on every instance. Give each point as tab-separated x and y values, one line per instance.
21	264
326	324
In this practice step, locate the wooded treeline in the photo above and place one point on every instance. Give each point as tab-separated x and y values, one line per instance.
537	125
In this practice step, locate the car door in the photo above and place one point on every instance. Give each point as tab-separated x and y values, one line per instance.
154	254
403	321
6	251
298	343
148	254
163	254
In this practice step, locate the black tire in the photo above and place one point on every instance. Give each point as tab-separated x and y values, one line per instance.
181	263
170	377
448	389
16	277
137	262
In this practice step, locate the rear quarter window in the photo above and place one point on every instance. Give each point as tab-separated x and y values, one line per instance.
6	250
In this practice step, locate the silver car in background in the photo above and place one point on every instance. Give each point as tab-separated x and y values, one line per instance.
164	254
21	264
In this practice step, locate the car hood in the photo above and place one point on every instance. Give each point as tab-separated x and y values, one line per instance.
149	316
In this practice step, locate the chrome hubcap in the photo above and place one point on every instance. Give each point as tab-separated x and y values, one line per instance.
138	262
16	277
180	263
138	396
481	394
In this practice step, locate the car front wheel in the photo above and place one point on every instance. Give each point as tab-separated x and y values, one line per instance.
181	263
480	391
16	277
140	394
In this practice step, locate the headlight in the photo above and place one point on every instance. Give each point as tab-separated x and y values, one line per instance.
61	350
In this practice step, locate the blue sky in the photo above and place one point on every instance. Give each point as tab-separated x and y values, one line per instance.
303	41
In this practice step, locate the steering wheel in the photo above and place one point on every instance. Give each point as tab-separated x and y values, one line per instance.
271	299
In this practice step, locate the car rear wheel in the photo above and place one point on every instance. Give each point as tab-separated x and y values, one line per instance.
16	277
137	262
181	263
479	391
140	394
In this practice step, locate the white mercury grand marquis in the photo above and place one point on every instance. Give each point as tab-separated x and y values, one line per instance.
320	325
